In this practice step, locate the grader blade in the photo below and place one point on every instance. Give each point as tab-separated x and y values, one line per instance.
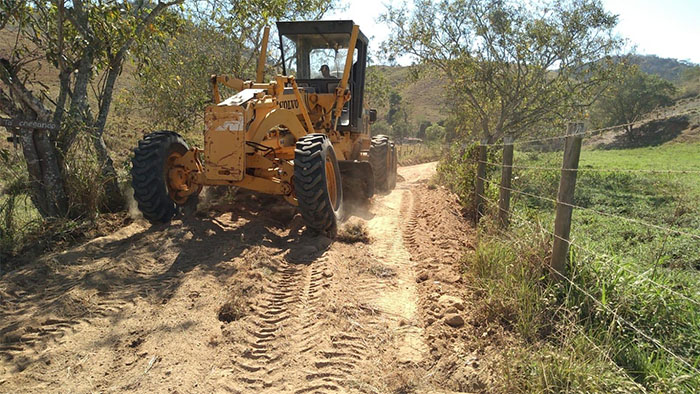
358	178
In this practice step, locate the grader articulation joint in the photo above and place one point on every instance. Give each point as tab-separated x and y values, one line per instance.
305	135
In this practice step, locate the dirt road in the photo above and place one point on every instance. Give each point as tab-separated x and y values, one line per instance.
235	299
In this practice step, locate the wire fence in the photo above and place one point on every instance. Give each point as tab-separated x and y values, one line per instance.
609	310
612	215
565	206
611	169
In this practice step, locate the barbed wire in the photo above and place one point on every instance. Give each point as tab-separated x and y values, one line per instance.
629	271
629	324
594	299
632	170
520	142
620	266
607	357
592	132
632	220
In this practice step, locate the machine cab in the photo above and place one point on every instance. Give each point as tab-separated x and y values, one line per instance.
316	53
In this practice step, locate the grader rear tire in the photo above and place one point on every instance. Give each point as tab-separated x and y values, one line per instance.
378	152
317	183
149	172
383	158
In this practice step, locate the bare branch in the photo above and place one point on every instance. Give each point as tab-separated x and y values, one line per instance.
8	76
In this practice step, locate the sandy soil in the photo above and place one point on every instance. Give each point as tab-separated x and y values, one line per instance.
236	299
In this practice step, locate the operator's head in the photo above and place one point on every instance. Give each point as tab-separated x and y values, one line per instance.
325	71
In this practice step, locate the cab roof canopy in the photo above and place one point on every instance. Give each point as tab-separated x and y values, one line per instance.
318	28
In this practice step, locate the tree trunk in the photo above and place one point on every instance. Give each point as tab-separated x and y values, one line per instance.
114	201
47	188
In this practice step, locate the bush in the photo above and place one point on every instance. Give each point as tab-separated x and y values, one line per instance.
457	169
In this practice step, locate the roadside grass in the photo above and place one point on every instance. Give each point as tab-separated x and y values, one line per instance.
418	153
18	218
636	288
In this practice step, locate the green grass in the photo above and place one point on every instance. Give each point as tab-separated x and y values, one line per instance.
669	156
644	282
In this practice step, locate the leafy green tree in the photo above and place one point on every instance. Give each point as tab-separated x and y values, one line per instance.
435	132
634	95
84	43
376	87
422	128
396	110
214	37
397	117
511	65
381	127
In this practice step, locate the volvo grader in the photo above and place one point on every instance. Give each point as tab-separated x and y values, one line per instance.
305	135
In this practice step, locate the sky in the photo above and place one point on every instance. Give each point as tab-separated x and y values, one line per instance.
666	28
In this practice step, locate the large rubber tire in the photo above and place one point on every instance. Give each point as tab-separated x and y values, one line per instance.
378	151
312	156
148	175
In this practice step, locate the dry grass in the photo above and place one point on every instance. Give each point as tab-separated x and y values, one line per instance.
381	271
233	309
353	232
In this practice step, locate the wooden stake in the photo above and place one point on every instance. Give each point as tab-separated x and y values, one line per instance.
506	181
567	186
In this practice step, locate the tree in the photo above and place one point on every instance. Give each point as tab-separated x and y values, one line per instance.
435	133
85	45
214	37
376	87
634	95
422	127
397	116
511	65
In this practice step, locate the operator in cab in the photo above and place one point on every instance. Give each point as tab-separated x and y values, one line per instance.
326	72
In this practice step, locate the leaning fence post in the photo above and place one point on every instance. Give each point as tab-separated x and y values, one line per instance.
506	181
480	176
565	198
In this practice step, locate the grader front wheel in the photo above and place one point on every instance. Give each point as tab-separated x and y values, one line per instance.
317	183
158	183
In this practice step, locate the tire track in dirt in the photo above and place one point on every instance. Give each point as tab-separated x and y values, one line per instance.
289	332
334	352
264	354
372	320
398	301
438	235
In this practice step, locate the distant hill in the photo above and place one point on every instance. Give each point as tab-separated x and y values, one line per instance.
669	69
424	98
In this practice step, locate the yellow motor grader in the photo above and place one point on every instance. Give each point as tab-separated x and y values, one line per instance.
304	135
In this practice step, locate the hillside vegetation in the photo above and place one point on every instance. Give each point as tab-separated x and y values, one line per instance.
672	70
424	95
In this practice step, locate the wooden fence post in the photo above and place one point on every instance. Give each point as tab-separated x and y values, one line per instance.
565	198
506	181
480	176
